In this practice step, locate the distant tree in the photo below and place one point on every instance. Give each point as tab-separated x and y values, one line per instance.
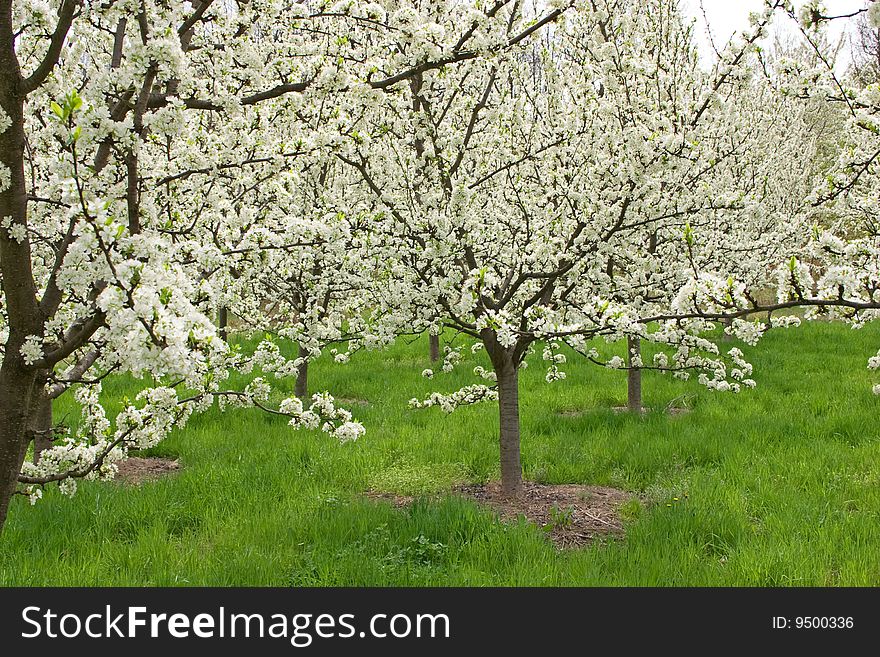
865	52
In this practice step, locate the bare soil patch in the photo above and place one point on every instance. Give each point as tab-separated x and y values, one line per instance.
135	470
398	501
573	515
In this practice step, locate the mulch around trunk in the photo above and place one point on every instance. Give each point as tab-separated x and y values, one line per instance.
135	470
573	515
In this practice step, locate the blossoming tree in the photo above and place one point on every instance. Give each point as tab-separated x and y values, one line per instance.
128	131
599	183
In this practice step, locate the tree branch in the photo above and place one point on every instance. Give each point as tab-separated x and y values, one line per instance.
65	18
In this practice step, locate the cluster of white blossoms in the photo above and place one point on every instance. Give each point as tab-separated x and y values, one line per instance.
483	373
32	349
94	451
748	332
18	232
554	373
5	121
615	363
451	358
785	321
795	281
810	13
465	396
323	414
874	364
709	294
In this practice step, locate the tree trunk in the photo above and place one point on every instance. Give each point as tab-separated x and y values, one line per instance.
223	323
509	438
42	424
301	389
633	376
16	388
23	316
435	347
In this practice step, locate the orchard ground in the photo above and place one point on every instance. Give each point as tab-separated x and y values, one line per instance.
776	486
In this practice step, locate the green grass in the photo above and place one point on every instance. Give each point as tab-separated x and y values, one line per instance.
776	486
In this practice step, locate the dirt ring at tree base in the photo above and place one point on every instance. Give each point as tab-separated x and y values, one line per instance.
573	515
136	470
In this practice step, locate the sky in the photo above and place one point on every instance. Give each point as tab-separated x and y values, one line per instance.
729	16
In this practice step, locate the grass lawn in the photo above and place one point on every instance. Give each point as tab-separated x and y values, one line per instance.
777	486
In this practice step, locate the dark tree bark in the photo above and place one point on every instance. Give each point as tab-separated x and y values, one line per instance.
509	438
18	380
435	347
301	389
223	323
633	376
16	386
506	365
42	424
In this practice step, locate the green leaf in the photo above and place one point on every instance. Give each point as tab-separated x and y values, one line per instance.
688	234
